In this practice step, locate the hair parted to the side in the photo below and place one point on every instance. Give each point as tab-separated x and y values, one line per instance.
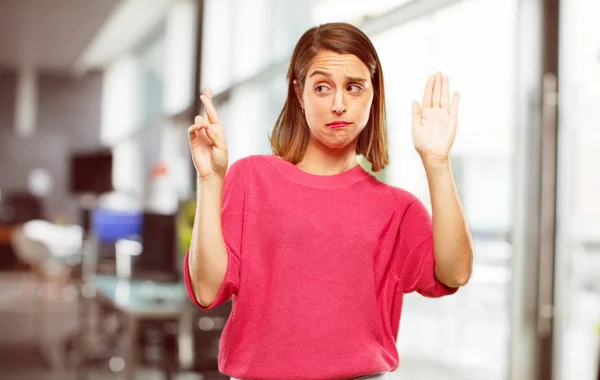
291	133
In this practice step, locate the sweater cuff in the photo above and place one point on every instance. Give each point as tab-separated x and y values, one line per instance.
225	290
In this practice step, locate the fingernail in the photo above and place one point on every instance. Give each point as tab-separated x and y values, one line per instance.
197	120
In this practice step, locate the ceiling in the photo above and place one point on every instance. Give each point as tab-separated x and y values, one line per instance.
49	35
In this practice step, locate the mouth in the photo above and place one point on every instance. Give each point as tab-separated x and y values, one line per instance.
338	124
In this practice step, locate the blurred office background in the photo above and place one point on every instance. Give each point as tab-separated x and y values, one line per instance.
97	184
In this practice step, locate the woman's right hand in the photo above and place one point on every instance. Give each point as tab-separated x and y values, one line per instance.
207	142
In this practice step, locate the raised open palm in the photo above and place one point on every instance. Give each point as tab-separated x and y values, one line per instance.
207	142
434	122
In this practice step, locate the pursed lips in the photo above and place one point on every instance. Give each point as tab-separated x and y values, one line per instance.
338	124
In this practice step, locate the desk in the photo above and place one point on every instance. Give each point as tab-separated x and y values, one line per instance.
140	300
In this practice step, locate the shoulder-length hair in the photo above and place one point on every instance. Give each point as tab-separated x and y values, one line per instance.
291	133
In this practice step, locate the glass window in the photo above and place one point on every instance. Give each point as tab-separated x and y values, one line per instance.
217	54
323	11
151	58
127	164
469	331
180	56
249	63
577	268
120	100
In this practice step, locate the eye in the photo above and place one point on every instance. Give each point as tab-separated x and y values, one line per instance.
321	89
354	88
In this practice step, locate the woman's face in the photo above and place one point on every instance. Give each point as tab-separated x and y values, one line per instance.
336	98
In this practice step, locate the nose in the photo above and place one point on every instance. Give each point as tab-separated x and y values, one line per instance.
338	103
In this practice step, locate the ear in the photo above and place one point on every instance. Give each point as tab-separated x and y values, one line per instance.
298	92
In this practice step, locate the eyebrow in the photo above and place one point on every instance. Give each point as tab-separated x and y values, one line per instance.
328	75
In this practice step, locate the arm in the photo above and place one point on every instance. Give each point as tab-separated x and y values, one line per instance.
433	130
208	253
453	245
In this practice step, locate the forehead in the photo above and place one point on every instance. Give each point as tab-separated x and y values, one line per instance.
341	64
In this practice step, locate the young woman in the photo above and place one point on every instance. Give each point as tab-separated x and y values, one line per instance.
316	253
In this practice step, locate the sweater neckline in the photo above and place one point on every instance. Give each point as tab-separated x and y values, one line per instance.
294	173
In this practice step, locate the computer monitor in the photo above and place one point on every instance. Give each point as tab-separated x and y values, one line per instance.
159	257
91	172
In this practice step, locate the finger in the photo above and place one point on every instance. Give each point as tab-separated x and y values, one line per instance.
216	140
428	92
192	131
206	92
213	116
199	120
437	90
195	128
454	106
445	100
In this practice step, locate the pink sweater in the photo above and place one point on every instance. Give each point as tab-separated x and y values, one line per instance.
317	270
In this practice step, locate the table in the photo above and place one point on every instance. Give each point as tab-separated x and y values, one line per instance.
140	300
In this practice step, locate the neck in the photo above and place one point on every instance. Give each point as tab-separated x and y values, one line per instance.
322	160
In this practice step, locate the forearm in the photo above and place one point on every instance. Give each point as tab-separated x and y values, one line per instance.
452	239
208	253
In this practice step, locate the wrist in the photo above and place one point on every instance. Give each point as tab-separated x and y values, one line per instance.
437	167
435	161
210	181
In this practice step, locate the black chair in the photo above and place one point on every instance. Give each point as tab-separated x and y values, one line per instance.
208	326
159	346
20	207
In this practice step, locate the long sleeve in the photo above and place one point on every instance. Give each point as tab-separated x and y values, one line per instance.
416	261
232	222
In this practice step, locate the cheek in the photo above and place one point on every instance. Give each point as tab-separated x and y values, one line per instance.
317	111
365	111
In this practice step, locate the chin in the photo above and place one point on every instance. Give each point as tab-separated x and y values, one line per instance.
334	139
338	142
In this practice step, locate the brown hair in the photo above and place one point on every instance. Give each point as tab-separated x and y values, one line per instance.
291	133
